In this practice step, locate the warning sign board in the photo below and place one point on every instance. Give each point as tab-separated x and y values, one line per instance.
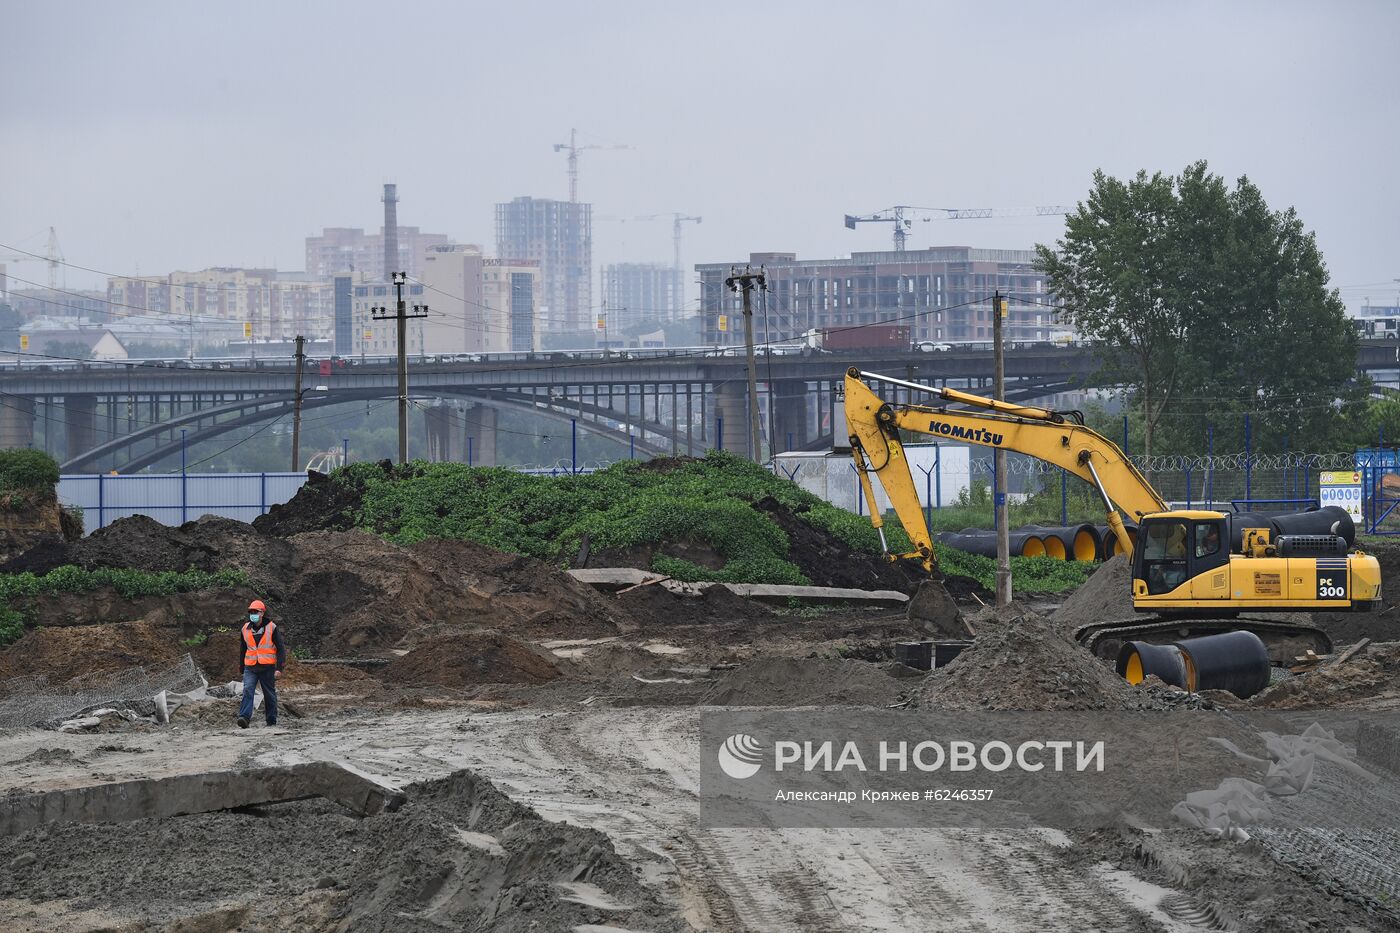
1341	488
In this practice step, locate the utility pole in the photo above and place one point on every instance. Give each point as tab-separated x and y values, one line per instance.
744	283
401	315
1003	574
296	406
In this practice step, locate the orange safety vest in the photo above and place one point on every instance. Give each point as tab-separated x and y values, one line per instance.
262	652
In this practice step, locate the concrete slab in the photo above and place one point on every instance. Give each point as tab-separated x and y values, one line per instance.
616	578
767	592
197	793
612	578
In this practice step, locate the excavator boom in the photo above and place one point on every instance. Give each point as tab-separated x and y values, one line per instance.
874	427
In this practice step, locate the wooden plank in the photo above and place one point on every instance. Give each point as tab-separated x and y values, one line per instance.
1351	652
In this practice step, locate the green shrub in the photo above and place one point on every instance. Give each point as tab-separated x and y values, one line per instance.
707	502
28	473
194	641
11	626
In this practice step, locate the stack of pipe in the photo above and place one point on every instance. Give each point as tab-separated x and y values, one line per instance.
1072	542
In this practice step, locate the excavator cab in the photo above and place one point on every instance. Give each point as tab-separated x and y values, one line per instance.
1178	553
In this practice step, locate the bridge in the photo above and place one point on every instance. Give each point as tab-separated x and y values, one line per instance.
129	415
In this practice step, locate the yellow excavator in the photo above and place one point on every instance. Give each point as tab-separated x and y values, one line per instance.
1196	571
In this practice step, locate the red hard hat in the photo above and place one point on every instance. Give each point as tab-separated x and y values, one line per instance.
257	605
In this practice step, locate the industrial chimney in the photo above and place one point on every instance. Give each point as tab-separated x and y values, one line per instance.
391	231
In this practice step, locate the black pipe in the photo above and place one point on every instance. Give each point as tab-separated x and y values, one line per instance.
1233	661
1329	520
1076	542
1138	660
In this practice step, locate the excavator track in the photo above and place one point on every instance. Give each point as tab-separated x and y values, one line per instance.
1284	640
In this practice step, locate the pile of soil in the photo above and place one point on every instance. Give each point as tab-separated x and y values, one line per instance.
716	605
336	593
521	594
1028	664
1370	676
321	504
458	855
1106	596
805	682
26	524
61	654
471	659
829	561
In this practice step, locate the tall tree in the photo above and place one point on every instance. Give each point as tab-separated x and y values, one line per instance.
1207	305
1115	272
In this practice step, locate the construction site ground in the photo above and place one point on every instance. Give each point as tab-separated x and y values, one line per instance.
546	737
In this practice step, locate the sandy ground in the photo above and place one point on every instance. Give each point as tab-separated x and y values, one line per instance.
632	774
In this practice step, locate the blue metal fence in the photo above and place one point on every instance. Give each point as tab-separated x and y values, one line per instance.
175	498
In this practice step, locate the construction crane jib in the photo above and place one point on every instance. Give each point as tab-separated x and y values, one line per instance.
904	215
573	149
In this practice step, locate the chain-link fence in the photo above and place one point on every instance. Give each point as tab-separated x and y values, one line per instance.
30	700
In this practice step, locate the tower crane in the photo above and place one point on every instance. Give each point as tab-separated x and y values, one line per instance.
53	257
573	149
902	223
678	220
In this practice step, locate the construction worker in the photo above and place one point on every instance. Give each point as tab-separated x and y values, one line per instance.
261	656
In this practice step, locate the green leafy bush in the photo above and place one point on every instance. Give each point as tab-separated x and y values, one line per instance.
11	625
702	502
27	473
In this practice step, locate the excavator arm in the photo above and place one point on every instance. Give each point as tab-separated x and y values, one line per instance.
874	426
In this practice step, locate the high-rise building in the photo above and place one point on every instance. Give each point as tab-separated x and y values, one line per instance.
634	292
559	236
941	293
508	288
457	319
350	249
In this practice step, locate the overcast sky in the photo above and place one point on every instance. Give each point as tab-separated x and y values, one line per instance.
161	136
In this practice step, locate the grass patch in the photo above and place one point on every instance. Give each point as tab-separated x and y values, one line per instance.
706	501
19	590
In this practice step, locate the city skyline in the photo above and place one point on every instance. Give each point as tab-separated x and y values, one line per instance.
825	114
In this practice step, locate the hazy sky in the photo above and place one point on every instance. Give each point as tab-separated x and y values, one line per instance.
160	136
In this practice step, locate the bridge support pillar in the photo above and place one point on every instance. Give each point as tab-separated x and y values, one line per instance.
438	421
732	413
17	422
480	427
789	414
80	424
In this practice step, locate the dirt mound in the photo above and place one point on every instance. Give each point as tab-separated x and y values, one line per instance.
1028	665
335	594
457	855
522	594
1372	675
1107	595
471	659
25	524
321	504
657	606
805	682
64	653
829	561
